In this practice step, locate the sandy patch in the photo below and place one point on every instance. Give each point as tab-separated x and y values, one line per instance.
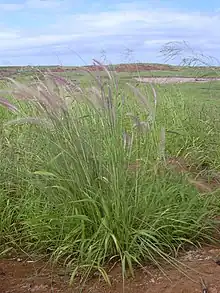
170	80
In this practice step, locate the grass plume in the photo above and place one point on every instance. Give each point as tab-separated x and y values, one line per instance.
67	190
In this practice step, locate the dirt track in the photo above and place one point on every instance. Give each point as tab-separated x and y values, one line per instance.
162	80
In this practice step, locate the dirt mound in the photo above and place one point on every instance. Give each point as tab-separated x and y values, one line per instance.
142	67
118	68
130	67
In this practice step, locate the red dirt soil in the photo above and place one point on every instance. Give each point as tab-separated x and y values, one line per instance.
10	71
129	67
22	276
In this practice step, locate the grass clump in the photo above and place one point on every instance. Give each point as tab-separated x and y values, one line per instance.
83	175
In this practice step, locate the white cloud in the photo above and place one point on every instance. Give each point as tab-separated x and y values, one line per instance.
32	4
10	6
7	35
144	29
18	42
43	4
136	21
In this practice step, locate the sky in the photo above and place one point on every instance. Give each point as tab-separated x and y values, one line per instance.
70	32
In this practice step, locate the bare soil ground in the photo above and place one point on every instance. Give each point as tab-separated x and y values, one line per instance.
131	67
202	272
13	70
165	80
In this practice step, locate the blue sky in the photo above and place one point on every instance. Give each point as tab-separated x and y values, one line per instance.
70	32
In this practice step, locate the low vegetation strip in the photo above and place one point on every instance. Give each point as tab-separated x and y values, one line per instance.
68	188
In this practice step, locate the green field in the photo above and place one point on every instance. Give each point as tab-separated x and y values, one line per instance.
69	182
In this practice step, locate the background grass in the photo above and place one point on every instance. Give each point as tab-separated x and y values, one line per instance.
66	187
